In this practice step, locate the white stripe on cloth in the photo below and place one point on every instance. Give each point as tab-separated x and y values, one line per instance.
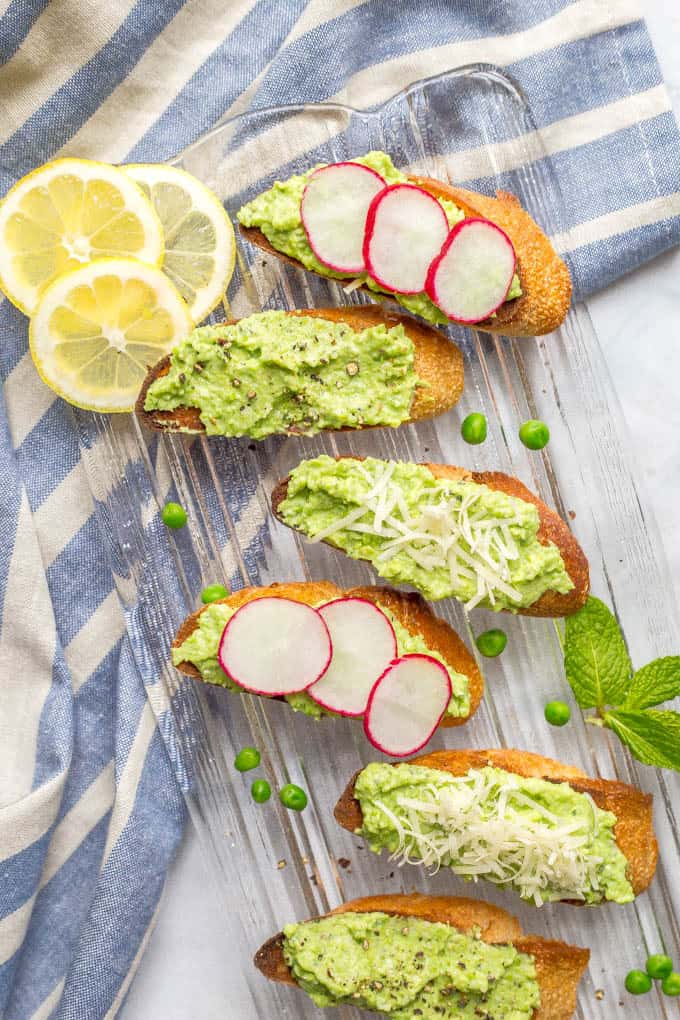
46	1007
132	969
561	135
23	691
27	399
168	64
94	640
63	513
63	38
379	82
128	780
655	210
25	821
76	824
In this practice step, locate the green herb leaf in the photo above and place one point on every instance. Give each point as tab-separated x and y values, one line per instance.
596	660
655	683
653	736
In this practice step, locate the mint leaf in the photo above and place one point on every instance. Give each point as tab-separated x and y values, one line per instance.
653	736
596	659
655	683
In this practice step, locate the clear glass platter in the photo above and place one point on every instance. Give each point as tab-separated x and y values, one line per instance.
471	125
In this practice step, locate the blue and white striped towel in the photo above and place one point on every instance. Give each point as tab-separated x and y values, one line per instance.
90	813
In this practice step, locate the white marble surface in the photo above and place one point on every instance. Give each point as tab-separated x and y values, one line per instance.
185	971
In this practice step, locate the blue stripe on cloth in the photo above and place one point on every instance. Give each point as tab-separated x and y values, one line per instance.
51	126
51	449
220	80
609	260
54	745
21	874
49	958
79	566
17	21
127	894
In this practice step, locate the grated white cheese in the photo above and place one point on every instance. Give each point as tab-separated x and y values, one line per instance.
452	534
475	826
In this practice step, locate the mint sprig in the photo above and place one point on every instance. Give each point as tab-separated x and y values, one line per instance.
601	675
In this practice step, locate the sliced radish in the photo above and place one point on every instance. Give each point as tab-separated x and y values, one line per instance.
470	278
405	230
406	704
364	644
275	646
333	210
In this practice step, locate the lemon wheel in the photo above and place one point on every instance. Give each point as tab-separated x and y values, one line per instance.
67	213
200	248
97	329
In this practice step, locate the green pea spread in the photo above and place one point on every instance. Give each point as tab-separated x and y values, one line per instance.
481	823
276	213
405	968
447	538
200	648
273	372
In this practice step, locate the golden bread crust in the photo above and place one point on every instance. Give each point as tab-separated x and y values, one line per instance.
633	831
545	279
558	966
437	361
410	610
551	529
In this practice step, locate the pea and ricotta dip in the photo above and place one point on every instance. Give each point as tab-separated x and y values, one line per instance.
274	373
543	839
449	539
405	967
201	647
276	213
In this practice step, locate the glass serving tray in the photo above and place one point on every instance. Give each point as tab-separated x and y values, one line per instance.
272	866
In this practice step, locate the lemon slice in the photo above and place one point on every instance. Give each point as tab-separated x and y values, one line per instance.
200	248
67	213
97	329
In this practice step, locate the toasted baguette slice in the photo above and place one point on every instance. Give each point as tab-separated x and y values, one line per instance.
410	610
437	362
633	831
546	284
551	529
558	966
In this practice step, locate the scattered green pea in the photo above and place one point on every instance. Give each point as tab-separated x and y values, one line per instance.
293	797
260	791
671	984
637	982
558	713
534	434
659	966
174	516
247	758
491	642
473	429
214	592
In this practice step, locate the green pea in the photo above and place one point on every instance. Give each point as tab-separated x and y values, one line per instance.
293	797
637	982
260	791
248	758
492	642
473	429
174	516
659	966
214	592
557	713
534	434
671	984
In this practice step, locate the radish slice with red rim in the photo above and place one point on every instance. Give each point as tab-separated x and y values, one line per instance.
364	644
407	704
275	646
470	278
405	230
333	211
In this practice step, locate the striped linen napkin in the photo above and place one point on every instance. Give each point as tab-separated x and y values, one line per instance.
90	813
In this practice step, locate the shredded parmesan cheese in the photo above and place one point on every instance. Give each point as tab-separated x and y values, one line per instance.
452	534
476	825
